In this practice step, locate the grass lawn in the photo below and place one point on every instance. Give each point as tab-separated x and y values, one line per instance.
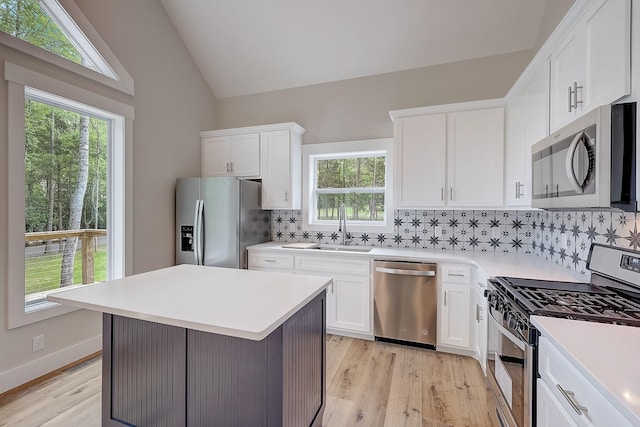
43	273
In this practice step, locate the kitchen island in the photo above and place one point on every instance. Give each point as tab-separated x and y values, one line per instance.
206	346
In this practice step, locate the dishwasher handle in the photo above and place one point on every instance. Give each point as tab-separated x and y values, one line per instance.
405	272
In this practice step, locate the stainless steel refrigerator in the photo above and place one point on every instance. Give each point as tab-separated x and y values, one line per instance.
216	219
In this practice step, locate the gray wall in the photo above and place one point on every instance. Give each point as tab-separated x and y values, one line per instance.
359	108
172	105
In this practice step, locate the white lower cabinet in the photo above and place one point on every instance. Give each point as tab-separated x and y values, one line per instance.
348	297
348	306
549	412
479	320
455	319
271	262
572	393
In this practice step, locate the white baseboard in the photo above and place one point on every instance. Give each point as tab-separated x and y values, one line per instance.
36	368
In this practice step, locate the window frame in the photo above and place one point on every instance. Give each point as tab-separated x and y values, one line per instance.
348	149
79	31
20	81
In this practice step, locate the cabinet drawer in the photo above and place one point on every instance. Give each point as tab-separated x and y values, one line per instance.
271	261
332	265
454	273
574	391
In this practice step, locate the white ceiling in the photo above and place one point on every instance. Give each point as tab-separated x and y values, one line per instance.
250	46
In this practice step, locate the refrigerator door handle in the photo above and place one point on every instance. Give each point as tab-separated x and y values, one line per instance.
200	234
196	233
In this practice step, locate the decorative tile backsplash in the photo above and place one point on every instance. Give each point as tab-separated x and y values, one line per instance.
561	237
472	230
564	237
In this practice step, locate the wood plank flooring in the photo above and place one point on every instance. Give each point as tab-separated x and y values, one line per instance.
368	384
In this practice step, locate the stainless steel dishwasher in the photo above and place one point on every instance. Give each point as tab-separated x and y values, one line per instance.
405	302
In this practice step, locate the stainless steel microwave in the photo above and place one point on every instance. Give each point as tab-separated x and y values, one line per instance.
590	163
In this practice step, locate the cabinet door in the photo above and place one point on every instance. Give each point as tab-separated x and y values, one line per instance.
475	158
349	304
419	165
245	155
527	123
608	52
567	67
517	155
454	321
549	412
279	171
537	111
216	155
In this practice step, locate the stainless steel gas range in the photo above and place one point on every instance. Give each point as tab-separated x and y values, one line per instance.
612	296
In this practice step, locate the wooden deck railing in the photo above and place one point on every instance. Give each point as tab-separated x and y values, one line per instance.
87	243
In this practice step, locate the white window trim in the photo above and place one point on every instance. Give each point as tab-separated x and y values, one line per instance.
345	148
21	80
85	38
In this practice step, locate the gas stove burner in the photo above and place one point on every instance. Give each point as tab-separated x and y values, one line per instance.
564	300
582	301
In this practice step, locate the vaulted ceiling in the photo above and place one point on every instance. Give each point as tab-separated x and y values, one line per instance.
250	46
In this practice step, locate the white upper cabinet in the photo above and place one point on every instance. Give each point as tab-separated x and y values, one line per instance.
475	157
282	171
271	152
449	155
608	52
527	122
590	66
231	155
420	159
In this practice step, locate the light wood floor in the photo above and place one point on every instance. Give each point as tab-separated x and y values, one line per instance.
368	384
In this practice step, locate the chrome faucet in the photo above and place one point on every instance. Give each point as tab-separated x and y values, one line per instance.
342	223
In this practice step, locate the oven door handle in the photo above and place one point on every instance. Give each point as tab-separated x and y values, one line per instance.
517	341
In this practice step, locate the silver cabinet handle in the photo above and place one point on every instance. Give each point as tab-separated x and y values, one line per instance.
445	298
546	190
228	167
231	166
573	92
571	398
477	313
272	261
519	185
450	193
405	272
442	193
455	275
286	196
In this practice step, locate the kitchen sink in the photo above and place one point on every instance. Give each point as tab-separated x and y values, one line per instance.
338	248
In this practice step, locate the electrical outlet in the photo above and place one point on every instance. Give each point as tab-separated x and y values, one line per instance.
38	343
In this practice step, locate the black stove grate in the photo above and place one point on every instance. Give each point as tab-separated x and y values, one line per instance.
572	300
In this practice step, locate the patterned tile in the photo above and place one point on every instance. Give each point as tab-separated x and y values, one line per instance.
562	237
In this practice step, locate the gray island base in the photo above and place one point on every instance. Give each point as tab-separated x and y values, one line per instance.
156	374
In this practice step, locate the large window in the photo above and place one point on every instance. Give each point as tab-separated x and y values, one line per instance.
66	174
66	217
355	174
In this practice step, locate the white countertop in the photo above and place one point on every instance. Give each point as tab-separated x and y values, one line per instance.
492	263
239	303
607	355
